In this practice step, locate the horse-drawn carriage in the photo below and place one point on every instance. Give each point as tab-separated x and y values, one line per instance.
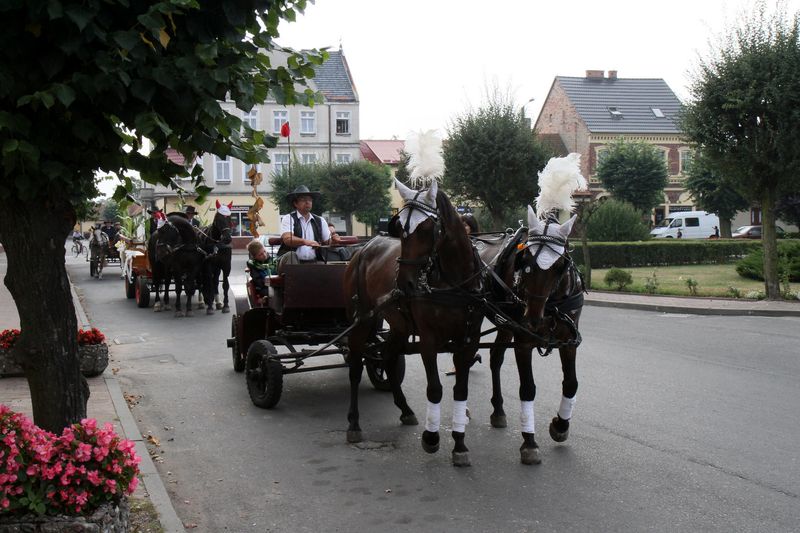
137	273
101	253
304	306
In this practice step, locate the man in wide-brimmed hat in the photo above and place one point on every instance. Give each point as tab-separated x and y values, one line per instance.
190	212
301	232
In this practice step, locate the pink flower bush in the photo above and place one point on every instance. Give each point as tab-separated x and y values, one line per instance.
69	474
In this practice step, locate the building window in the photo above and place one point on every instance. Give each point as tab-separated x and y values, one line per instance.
343	122
222	169
240	224
602	153
280	162
245	169
308	159
278	120
342	158
657	112
615	112
308	122
251	118
686	160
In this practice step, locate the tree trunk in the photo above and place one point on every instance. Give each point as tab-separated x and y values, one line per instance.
725	228
37	280
770	244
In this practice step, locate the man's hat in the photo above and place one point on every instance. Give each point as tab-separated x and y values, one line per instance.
190	210
302	190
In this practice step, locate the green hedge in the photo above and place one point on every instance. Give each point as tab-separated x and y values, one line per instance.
662	252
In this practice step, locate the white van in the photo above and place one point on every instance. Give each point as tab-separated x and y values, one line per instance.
691	224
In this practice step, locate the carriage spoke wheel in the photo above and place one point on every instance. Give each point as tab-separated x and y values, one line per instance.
142	292
264	375
236	354
377	373
130	286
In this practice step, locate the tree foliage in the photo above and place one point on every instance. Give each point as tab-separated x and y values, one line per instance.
634	172
83	87
614	220
713	193
492	158
359	188
744	114
312	176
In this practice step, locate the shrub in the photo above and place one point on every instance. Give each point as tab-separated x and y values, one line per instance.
691	284
85	337
752	266
651	283
733	292
72	474
617	221
618	278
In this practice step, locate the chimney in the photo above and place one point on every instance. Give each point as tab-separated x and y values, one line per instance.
595	74
612	74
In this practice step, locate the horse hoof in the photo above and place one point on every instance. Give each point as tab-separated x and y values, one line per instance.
461	459
157	308
209	311
498	421
226	309
530	456
353	435
430	441
555	434
218	305
99	276
179	314
189	312
409	420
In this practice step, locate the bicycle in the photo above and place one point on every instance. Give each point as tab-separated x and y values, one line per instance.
78	248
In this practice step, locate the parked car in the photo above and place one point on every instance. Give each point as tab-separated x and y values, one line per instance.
754	232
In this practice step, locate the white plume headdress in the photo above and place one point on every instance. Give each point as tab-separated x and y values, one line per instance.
559	179
425	163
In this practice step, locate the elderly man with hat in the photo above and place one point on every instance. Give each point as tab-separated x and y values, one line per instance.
190	212
301	232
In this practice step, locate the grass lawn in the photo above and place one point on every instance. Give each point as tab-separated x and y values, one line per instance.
712	280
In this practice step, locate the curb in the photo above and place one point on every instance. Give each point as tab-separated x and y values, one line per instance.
657	308
150	477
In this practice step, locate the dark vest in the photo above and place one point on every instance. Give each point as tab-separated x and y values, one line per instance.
316	226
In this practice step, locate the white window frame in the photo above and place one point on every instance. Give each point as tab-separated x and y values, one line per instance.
344	116
309	158
279	118
600	152
685	157
343	158
308	122
280	161
251	118
222	169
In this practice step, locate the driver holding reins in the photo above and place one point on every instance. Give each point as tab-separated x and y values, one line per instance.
301	232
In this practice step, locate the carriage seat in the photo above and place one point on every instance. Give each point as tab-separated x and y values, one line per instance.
345	240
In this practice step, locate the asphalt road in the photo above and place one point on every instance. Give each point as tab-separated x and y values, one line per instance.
683	423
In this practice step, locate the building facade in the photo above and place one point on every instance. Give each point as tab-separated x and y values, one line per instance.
589	113
328	132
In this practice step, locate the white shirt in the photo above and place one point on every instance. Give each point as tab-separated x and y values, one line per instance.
305	253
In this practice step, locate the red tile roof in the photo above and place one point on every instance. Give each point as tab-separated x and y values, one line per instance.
386	152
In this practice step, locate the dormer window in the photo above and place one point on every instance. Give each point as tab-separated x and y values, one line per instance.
615	112
657	112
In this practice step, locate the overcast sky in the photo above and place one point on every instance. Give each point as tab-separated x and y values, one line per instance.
419	63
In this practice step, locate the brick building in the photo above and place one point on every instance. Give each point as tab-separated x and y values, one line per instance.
588	113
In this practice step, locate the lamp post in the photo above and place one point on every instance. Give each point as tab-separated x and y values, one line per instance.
526	119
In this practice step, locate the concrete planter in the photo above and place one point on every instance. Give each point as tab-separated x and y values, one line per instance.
108	518
94	360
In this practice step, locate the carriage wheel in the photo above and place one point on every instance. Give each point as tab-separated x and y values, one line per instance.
142	292
377	374
236	354
130	287
264	375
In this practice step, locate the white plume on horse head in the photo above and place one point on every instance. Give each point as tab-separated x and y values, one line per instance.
559	179
425	161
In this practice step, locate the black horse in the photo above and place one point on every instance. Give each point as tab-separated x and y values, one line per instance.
175	247
216	241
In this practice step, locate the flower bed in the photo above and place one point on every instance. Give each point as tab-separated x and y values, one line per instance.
82	476
92	352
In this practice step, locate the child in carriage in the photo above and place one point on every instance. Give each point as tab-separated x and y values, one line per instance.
259	268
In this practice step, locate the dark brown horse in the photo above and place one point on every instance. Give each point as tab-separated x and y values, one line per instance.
423	285
537	289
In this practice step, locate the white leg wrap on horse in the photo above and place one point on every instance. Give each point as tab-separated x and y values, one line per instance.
433	417
460	419
526	417
565	409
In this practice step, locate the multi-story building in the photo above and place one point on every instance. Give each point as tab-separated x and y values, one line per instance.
591	112
328	132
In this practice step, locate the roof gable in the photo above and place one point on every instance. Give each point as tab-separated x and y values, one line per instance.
623	105
386	152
